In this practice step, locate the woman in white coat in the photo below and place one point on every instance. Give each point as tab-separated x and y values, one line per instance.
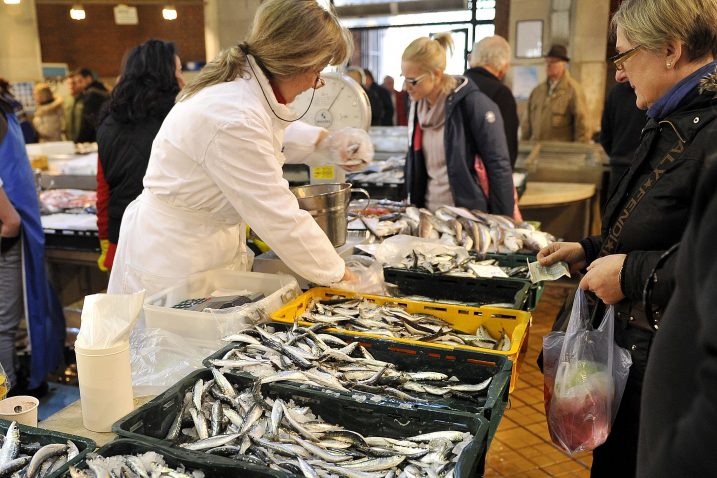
216	162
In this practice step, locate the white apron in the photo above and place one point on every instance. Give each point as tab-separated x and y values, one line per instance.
150	226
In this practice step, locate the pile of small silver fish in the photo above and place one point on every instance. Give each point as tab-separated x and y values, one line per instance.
146	465
31	460
390	320
306	355
475	230
251	427
453	265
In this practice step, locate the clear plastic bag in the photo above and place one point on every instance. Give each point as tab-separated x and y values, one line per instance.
585	376
367	276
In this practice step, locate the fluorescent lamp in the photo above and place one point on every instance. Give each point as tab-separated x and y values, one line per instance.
169	13
12	2
77	12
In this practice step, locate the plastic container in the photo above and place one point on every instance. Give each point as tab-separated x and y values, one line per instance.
517	259
174	458
467	365
474	291
463	318
158	312
46	437
151	422
26	414
105	379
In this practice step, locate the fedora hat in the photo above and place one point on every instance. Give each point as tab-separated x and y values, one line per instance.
558	51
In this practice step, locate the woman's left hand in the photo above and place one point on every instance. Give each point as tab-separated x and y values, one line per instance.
603	278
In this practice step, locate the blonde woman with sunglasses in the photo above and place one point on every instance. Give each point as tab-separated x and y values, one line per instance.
458	153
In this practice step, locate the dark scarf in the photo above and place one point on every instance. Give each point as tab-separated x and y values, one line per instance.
682	92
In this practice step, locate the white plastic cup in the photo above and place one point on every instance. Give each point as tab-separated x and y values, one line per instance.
21	409
105	378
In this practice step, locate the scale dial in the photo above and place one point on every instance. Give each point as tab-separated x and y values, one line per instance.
339	104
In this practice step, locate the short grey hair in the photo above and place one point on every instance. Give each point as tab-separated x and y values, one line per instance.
653	24
492	51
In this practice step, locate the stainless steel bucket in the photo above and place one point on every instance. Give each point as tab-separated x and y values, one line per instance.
328	205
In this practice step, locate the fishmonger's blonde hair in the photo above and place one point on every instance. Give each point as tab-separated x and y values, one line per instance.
288	37
429	54
653	23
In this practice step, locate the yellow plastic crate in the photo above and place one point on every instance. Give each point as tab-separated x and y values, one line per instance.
463	318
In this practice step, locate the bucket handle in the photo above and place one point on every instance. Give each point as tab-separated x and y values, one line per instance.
365	193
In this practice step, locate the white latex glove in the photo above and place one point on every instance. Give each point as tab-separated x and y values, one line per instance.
349	148
362	278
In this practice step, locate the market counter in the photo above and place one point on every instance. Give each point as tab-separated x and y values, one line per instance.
69	420
567	210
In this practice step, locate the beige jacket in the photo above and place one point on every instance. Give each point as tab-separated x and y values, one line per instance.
49	120
561	116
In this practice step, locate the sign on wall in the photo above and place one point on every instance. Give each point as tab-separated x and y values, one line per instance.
126	15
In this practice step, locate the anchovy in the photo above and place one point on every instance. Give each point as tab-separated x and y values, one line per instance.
213	442
42	455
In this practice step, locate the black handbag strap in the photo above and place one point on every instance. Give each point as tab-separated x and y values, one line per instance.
609	245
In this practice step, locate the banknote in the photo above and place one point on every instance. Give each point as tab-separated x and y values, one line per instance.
552	272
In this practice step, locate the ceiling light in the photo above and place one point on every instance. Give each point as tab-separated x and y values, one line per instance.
77	12
12	2
169	13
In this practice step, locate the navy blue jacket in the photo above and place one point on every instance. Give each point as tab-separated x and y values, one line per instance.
473	127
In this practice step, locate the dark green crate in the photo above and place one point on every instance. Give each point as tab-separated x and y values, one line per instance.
173	458
466	290
47	437
516	259
467	365
150	423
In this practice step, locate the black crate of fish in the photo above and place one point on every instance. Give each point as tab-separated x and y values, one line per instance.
517	265
390	191
33	452
357	367
144	459
289	430
476	291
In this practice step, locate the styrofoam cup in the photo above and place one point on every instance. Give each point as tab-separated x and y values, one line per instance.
105	380
21	409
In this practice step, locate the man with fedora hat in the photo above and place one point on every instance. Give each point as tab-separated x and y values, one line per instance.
556	109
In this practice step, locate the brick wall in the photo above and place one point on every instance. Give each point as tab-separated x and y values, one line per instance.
98	43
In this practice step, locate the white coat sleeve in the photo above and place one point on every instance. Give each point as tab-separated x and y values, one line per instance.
300	141
240	160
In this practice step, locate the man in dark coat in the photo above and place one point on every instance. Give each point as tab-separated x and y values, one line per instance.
622	123
490	61
90	96
383	95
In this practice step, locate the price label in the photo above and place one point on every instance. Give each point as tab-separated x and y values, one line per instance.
323	173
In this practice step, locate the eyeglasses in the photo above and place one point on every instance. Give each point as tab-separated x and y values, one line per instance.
621	58
416	80
319	83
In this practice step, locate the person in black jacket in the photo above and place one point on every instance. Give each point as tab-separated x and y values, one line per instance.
150	81
677	428
622	123
386	118
674	78
490	61
87	105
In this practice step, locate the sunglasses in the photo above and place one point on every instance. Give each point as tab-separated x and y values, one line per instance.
621	58
416	80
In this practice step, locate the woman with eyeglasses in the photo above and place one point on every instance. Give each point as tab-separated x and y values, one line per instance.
667	54
216	162
458	154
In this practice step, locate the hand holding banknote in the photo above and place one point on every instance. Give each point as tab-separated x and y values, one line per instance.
570	252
